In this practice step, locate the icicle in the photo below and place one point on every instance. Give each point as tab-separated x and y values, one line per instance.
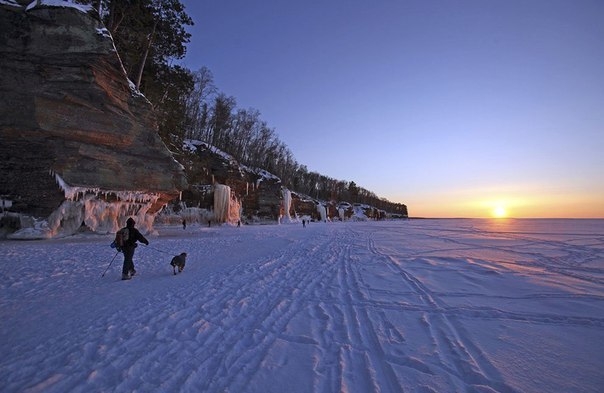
322	212
287	201
221	202
226	206
90	207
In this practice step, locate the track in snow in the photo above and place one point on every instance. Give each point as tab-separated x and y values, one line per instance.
359	307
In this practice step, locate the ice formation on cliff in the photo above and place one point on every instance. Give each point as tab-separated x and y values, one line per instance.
287	202
226	206
89	207
322	210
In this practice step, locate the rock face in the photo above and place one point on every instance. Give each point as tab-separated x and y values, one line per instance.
257	195
304	206
68	111
258	192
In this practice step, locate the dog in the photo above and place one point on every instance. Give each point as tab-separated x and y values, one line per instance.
179	262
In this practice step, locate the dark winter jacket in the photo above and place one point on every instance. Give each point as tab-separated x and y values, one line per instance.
133	236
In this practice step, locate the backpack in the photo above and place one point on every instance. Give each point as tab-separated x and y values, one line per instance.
121	237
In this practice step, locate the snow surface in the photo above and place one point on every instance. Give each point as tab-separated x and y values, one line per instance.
393	306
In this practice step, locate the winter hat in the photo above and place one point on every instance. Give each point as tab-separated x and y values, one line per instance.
130	222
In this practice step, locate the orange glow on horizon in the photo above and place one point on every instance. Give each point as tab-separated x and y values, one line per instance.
506	205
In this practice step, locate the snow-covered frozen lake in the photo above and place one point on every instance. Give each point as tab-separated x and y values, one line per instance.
395	306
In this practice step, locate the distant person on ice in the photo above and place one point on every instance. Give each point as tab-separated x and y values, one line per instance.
128	247
184	224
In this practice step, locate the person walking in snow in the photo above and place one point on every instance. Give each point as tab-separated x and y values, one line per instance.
128	248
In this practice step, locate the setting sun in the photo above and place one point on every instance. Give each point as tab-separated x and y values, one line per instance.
499	212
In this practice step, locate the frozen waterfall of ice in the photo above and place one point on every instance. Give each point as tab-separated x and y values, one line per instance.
226	206
322	210
287	202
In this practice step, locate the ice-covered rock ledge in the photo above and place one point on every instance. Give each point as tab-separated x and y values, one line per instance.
99	211
68	107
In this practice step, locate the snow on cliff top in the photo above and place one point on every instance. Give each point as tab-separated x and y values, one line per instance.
53	3
10	3
191	145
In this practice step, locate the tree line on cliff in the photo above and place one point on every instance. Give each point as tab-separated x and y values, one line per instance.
149	36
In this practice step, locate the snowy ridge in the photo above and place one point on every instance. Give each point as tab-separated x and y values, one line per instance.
135	92
59	3
459	306
191	146
105	33
264	174
10	3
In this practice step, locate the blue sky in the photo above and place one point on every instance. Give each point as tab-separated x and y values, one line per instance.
451	107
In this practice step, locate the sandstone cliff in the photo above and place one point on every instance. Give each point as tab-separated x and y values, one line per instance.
69	113
257	192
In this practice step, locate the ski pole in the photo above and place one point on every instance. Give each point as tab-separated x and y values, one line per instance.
103	275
